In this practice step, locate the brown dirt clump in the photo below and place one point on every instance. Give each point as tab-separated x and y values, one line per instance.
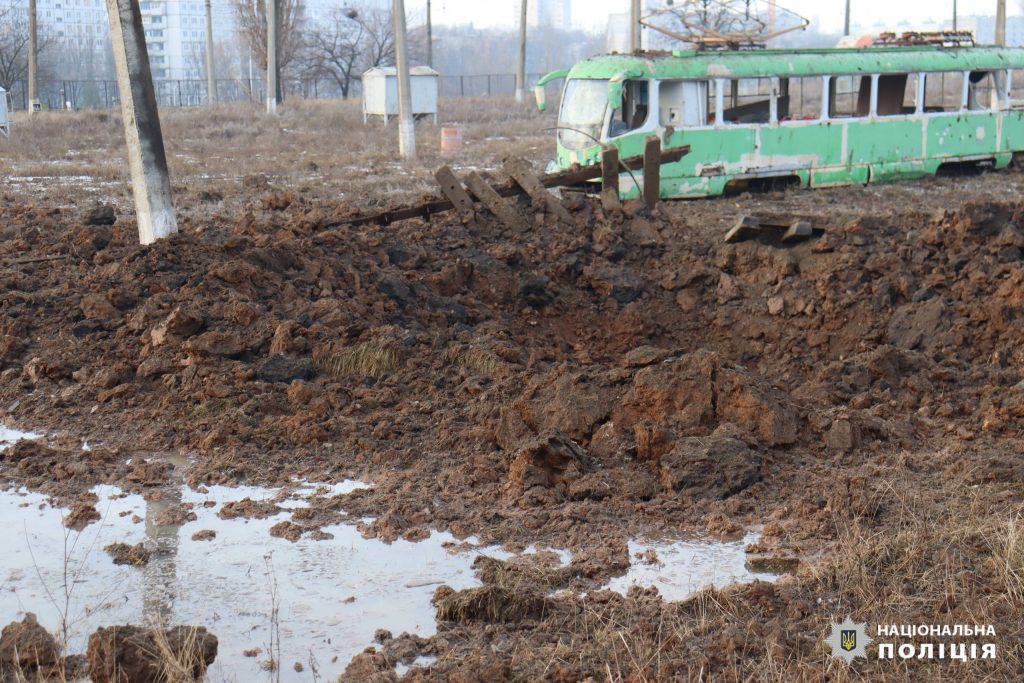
28	649
144	655
369	666
134	555
492	604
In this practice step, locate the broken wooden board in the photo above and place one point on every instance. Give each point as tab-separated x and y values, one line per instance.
769	229
519	170
453	190
745	228
495	203
652	171
610	179
798	230
569	177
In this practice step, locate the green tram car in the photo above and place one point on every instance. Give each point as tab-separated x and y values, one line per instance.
819	118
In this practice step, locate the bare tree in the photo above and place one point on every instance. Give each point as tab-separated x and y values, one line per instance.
354	38
252	20
379	41
334	50
13	45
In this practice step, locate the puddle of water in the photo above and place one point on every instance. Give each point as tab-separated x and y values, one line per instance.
422	660
331	595
684	567
9	437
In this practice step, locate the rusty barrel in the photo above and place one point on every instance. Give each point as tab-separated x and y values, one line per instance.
451	142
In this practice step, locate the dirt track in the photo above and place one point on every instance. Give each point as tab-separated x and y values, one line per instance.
574	386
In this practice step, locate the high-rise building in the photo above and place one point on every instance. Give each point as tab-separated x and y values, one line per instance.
555	13
176	34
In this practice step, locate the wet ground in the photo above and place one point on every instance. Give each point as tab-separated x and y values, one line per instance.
856	398
311	603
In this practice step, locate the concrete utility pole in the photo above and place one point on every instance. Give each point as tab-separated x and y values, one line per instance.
33	53
521	63
211	80
430	37
846	24
1000	22
151	184
634	25
406	125
954	15
272	71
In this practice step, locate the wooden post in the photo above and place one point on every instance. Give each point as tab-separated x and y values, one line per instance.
610	178
151	183
652	171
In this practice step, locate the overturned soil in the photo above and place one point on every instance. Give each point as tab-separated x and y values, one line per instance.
575	385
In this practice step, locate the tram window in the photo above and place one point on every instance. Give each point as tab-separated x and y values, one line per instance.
943	91
683	104
634	110
804	99
981	91
897	94
1016	77
748	100
849	96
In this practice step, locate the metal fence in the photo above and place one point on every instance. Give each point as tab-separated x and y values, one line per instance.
98	94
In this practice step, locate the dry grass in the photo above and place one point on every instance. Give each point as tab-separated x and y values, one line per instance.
949	559
367	359
319	147
181	660
479	362
491	604
1009	561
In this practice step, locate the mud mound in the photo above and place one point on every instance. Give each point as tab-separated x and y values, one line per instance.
440	359
27	648
134	653
491	603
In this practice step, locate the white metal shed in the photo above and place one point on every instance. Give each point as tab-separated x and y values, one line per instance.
380	92
5	121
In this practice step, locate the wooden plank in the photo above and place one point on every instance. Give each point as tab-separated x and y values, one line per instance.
424	210
584	173
520	172
494	202
36	259
573	176
610	179
797	231
652	171
453	190
745	228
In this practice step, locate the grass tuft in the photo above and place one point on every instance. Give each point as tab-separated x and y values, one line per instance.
368	359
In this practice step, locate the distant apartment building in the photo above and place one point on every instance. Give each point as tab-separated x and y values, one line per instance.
82	23
985	29
554	13
176	35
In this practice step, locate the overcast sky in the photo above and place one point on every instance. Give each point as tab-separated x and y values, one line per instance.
826	14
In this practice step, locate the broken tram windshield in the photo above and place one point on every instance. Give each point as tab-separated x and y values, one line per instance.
582	116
